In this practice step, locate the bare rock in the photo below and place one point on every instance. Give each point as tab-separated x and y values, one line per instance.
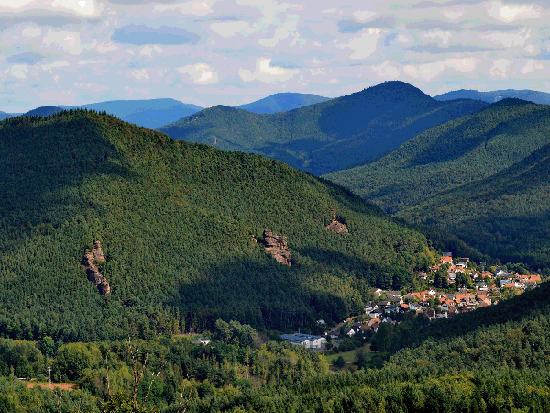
277	246
89	260
337	227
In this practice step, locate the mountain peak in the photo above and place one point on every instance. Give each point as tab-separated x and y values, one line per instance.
396	91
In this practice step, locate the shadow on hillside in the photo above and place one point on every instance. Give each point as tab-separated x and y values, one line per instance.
265	295
43	165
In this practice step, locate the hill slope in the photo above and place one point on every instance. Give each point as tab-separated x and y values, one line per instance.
480	177
282	102
328	136
181	227
497	95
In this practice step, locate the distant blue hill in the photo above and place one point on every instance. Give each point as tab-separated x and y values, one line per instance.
4	115
497	95
150	113
44	111
282	102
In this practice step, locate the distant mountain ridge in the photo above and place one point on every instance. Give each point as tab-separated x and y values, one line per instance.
149	113
494	96
282	102
329	136
481	177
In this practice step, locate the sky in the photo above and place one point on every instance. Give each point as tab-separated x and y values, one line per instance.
233	52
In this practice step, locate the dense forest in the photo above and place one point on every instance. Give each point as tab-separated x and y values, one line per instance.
181	226
490	360
329	136
481	178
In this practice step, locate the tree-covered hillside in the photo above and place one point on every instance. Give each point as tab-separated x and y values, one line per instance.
181	227
480	177
505	215
328	136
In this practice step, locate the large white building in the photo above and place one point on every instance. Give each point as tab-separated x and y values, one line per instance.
306	340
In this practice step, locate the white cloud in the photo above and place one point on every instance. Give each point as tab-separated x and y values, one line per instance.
15	4
500	68
386	71
229	29
200	73
63	41
83	7
31	32
148	50
286	30
432	70
19	71
365	44
508	39
509	13
190	8
453	14
266	73
102	47
363	16
54	65
140	74
532	66
439	36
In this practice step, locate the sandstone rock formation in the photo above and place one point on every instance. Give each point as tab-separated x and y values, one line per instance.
338	227
89	260
278	247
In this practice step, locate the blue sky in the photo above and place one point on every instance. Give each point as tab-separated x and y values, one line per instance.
232	52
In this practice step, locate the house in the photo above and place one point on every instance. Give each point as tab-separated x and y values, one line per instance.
377	292
481	286
395	299
391	309
350	331
383	304
446	260
375	313
306	340
204	341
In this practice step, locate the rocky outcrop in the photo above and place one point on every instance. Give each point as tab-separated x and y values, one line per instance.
338	227
277	246
89	261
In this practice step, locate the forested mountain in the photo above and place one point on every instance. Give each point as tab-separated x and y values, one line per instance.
481	177
505	215
44	111
328	136
150	113
282	102
494	96
182	231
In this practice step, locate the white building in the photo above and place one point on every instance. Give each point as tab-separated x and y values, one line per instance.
306	340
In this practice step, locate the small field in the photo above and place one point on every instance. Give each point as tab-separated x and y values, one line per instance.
63	386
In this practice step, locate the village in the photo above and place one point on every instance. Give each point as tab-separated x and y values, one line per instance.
454	286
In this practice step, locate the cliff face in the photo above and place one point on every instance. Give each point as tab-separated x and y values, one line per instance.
278	247
89	260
